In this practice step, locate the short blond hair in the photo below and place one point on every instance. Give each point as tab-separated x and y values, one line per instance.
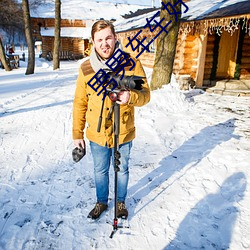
100	25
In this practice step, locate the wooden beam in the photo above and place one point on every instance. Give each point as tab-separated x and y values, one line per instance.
201	60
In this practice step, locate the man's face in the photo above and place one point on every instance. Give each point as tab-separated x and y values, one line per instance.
104	42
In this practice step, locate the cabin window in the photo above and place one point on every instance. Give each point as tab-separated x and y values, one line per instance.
151	46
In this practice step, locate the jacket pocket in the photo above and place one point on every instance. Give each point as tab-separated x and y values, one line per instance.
126	120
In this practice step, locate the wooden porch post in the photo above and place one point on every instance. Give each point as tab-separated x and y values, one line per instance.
201	60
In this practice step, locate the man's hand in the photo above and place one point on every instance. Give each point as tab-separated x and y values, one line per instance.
79	151
123	97
79	143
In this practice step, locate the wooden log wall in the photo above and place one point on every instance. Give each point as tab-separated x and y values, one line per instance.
73	45
50	22
146	58
190	56
245	61
178	61
186	55
66	44
79	46
209	56
185	59
47	45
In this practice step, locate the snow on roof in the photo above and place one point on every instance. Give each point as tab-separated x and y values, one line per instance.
138	2
85	10
80	32
135	22
203	9
197	10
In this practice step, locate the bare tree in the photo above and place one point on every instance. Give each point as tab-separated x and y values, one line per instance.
36	3
11	16
166	45
11	24
28	33
3	57
56	59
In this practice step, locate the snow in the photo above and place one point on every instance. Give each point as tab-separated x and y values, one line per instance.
84	33
189	169
199	9
86	10
196	10
135	22
139	2
112	9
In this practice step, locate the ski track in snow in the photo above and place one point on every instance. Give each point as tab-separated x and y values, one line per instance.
181	182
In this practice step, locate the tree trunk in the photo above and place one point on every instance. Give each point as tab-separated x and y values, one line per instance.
29	38
165	50
56	59
3	57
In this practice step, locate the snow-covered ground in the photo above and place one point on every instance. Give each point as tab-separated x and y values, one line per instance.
189	169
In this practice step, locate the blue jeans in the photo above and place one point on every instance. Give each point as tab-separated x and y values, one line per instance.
102	158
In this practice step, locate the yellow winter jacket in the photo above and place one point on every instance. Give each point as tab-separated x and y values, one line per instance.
87	107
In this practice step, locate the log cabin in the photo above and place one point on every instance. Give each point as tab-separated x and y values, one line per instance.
77	19
74	37
213	45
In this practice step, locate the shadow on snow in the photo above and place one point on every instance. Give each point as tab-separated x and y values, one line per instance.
209	225
190	153
23	110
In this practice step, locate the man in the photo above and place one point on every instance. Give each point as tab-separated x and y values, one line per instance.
87	107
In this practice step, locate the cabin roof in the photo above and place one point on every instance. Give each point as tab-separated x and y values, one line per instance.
85	10
198	10
209	9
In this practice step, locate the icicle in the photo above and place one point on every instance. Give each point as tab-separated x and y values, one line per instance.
248	28
205	29
232	26
219	30
244	22
211	26
216	25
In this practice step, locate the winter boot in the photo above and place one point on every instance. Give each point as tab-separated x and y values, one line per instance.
122	211
97	210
